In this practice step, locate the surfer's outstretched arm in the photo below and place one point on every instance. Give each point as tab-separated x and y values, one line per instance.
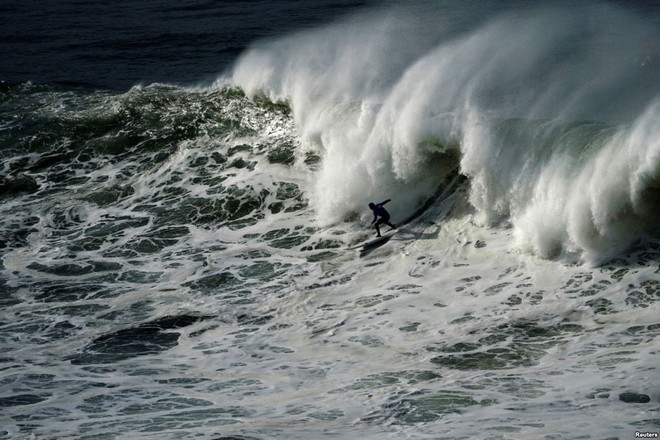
382	203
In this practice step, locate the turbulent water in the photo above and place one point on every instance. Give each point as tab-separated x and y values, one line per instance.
175	259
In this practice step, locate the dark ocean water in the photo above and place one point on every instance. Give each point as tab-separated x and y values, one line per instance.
183	199
119	44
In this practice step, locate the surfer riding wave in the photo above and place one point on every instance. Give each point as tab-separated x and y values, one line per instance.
380	211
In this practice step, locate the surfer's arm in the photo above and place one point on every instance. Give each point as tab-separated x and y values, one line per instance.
382	203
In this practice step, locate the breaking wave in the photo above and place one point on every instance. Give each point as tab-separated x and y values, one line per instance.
551	114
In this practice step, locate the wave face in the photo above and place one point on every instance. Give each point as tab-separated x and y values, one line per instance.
551	113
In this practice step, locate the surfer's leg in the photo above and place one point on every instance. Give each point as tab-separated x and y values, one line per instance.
378	223
386	220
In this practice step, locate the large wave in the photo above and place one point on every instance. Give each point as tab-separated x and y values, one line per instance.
551	112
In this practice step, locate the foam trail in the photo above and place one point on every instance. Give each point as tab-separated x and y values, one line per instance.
384	98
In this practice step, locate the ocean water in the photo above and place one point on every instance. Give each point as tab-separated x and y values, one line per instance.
181	186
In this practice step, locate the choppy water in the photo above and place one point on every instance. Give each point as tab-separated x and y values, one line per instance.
175	263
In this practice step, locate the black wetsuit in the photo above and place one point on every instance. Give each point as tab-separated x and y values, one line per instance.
384	219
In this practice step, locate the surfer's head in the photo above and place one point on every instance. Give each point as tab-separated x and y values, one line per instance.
371	206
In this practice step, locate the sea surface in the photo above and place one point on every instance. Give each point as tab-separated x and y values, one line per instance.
184	191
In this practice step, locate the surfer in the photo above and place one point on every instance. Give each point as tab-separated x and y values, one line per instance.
381	212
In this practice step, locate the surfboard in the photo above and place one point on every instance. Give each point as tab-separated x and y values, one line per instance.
376	241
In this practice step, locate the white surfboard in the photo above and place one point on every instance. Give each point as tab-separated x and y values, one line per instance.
375	241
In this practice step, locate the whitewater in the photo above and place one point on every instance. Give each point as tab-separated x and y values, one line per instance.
176	262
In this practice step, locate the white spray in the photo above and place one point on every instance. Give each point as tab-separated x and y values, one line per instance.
381	97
